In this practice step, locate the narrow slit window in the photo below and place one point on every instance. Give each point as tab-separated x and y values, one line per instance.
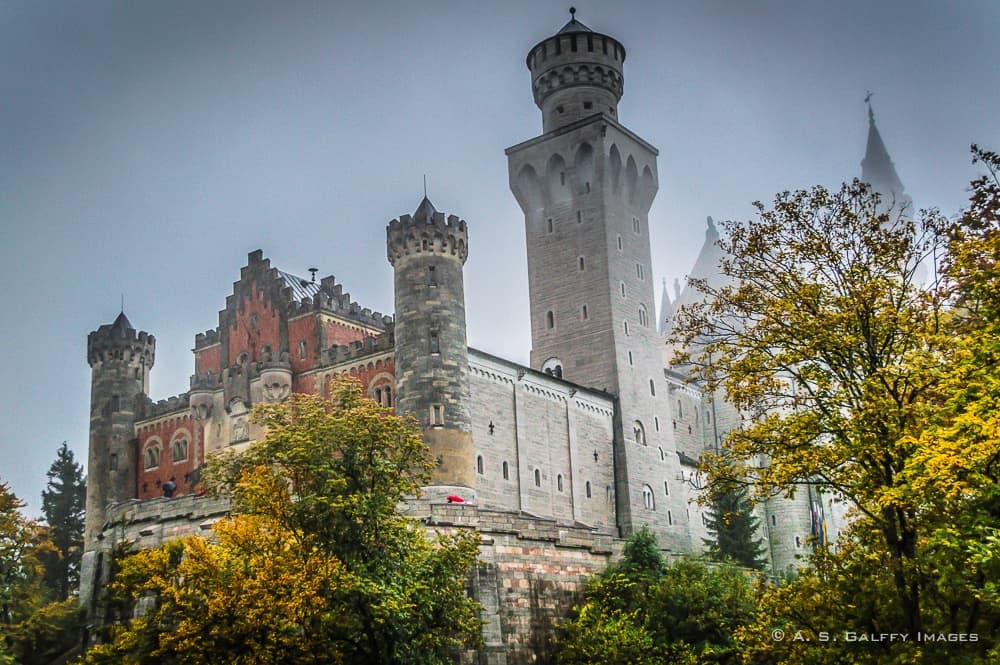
550	320
538	478
434	343
432	279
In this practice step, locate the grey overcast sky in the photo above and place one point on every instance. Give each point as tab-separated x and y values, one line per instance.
145	148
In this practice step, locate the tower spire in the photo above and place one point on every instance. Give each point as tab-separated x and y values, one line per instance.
877	168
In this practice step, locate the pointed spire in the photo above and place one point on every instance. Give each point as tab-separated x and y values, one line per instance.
877	168
666	311
425	211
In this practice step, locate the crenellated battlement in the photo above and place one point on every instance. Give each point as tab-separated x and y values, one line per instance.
163	407
207	338
427	232
337	354
120	341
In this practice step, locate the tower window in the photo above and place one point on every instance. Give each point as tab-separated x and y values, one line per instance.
656	423
798	542
630	358
648	502
622	286
432	278
582	264
583	312
587	487
643	316
560	109
666	488
663	458
302	350
639	272
506	471
588	105
635	224
774	520
550	320
538	478
562	178
437	414
113	462
559	482
588	182
670	519
621	245
550	226
579	217
479	465
434	344
639	432
625	324
652	388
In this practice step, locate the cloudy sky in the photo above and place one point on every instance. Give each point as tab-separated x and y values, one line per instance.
146	148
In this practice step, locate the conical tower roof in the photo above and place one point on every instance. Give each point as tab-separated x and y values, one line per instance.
425	211
122	324
877	168
573	25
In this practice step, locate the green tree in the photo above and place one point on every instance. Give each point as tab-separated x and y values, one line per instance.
317	565
63	504
641	610
732	527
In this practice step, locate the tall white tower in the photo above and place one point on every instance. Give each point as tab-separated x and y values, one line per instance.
586	185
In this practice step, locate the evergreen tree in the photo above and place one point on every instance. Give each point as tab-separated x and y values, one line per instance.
63	503
733	528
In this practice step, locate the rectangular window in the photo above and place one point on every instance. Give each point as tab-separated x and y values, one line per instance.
432	279
437	414
583	313
435	347
635	224
579	217
551	226
113	462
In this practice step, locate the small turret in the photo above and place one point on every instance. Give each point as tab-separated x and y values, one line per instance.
120	359
428	251
576	73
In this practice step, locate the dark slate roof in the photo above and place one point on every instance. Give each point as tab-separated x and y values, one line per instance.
122	323
301	287
425	211
574	26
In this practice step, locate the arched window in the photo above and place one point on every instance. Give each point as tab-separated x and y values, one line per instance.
179	450
550	319
303	350
479	465
648	502
151	457
559	482
643	316
639	432
506	471
553	367
538	478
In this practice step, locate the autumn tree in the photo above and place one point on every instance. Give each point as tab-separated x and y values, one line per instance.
317	565
851	377
35	626
63	503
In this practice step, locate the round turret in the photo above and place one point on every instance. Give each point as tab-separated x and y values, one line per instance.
120	359
427	251
576	73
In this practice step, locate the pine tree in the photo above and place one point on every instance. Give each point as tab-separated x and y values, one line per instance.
63	502
733	528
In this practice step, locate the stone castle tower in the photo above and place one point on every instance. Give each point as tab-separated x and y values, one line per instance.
585	186
428	252
120	359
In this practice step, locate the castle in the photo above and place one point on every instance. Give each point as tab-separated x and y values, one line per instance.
557	461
